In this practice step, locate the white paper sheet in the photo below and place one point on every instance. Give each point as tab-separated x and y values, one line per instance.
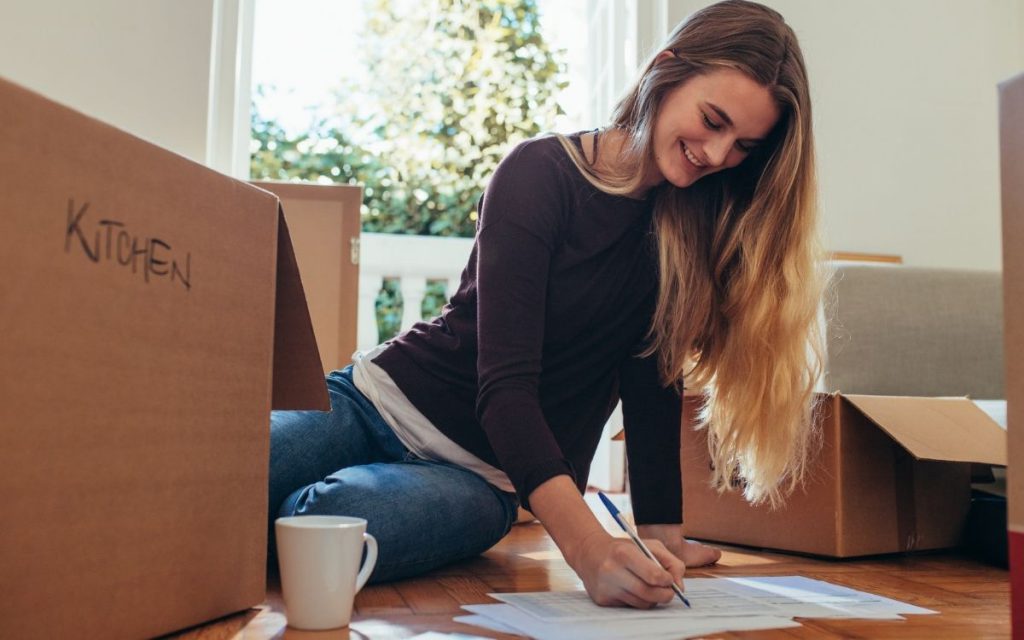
719	604
436	635
567	606
802	597
647	629
485	622
996	409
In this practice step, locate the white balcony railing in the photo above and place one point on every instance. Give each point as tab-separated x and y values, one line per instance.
412	260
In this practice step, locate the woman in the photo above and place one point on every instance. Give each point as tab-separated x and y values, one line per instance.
678	242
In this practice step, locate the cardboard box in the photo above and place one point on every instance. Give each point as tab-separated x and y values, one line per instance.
324	222
151	314
893	474
1011	146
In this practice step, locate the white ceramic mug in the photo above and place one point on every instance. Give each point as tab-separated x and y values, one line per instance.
320	575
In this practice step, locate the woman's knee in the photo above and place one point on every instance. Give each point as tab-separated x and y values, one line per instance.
359	490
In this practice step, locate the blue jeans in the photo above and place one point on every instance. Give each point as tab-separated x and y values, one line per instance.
349	462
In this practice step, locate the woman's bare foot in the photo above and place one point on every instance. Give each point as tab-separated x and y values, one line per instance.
695	554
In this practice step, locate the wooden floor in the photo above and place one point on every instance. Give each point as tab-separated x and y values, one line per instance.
972	598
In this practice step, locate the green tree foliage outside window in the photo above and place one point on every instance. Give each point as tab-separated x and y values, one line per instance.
454	85
388	306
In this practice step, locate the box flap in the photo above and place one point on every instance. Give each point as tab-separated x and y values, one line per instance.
950	429
298	373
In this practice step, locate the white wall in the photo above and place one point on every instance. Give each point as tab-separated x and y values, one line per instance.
904	96
141	65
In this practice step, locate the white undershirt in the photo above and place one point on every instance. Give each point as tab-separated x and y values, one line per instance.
413	429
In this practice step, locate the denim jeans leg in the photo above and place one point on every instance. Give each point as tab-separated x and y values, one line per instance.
424	514
307	446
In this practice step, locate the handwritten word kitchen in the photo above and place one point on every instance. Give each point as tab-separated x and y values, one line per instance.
109	240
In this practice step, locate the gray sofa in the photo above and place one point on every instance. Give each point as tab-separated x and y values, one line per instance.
915	331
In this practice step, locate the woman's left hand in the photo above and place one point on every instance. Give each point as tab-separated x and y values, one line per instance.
693	554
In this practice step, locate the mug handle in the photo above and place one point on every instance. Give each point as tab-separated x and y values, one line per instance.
370	563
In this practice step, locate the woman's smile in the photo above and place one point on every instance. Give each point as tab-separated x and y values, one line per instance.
691	159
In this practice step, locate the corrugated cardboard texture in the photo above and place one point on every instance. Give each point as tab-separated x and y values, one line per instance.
324	222
1011	150
298	378
869	508
136	313
728	517
950	429
864	494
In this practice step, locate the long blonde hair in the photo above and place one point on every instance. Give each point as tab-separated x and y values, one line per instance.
742	273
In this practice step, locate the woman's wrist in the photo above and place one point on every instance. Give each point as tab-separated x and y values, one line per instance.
559	506
575	548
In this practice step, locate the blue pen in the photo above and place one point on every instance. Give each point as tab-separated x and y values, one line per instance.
640	543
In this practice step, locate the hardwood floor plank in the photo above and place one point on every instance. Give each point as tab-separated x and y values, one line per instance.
972	598
803	633
891	585
466	589
379	598
425	595
565	580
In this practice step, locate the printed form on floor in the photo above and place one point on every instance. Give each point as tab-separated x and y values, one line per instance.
719	605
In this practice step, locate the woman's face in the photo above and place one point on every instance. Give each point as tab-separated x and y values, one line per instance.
709	123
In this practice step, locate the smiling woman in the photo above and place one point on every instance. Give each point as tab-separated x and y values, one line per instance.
677	245
694	136
718	130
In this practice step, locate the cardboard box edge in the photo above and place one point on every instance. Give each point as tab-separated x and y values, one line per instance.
298	378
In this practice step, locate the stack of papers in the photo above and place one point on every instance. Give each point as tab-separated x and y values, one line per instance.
995	409
719	605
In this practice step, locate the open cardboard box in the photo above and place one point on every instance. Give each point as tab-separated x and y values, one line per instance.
324	221
1011	147
892	475
151	314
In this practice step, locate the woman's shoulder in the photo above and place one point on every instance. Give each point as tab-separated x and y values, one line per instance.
535	185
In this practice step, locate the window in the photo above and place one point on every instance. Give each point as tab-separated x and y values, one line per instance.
417	101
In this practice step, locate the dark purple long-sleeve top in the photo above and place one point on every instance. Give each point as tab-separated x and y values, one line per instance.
527	361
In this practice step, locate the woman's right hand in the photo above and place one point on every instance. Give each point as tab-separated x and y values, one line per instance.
615	572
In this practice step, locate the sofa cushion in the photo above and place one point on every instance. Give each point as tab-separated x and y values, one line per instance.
915	331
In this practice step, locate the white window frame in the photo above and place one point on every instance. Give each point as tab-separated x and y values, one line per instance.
229	113
623	33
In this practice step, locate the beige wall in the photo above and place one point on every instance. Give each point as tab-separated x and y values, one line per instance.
143	65
905	110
